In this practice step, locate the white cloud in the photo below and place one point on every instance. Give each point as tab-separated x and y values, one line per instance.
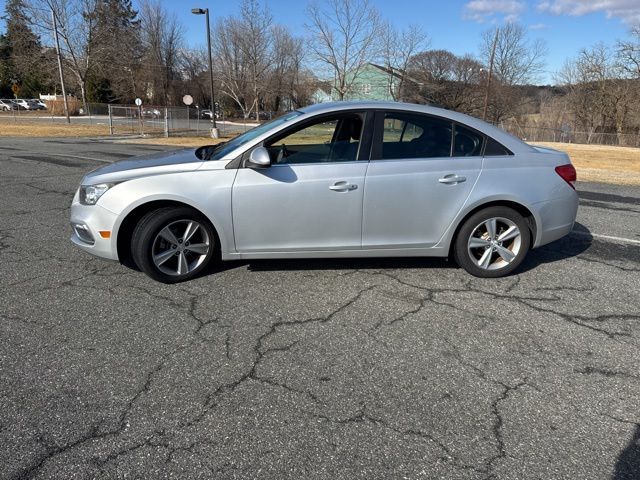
485	10
627	10
538	26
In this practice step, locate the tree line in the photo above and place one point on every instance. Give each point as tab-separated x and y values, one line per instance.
114	53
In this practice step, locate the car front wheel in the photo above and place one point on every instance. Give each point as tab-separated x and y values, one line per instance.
173	244
492	243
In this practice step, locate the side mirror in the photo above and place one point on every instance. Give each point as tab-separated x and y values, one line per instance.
259	158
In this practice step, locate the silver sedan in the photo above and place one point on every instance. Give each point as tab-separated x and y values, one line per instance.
345	179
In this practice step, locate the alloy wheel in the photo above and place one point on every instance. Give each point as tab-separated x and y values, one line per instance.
180	247
494	243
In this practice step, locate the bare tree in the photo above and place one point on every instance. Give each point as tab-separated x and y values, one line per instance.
194	66
257	44
446	80
398	47
600	100
75	29
344	37
518	61
233	74
162	43
284	76
628	53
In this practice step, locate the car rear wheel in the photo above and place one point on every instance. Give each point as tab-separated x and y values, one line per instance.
492	243
173	244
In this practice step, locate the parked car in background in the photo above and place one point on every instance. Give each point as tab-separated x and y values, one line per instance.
151	112
25	105
7	105
348	179
43	105
206	113
266	115
36	105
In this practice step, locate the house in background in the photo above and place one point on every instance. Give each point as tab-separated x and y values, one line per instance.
374	82
321	95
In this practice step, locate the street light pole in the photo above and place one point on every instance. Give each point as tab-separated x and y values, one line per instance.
64	92
214	129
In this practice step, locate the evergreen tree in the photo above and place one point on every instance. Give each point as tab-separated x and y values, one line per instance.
116	50
25	52
6	68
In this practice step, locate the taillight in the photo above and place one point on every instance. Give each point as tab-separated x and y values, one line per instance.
568	174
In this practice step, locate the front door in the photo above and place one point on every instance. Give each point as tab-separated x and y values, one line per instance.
310	198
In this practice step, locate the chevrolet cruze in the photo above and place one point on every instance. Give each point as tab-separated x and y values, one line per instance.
346	179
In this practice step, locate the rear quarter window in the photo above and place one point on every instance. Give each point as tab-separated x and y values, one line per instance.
495	149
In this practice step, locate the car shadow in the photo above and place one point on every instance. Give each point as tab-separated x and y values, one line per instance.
350	264
570	246
628	463
578	241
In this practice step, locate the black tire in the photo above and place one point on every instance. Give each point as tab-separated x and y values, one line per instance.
146	240
488	259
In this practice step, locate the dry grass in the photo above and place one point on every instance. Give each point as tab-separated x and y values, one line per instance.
176	141
9	128
599	163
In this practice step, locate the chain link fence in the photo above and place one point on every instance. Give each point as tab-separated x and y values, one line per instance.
567	135
125	120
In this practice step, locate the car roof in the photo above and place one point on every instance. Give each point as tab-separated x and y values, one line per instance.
510	141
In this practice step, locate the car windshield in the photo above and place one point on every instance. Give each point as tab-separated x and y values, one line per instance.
227	147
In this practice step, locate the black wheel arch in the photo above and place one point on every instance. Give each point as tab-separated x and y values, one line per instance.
128	225
518	207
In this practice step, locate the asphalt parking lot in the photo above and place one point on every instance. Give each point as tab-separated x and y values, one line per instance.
347	369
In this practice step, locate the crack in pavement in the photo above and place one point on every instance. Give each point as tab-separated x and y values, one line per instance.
210	402
361	416
498	425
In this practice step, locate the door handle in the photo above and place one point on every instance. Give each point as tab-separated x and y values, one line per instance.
452	178
343	187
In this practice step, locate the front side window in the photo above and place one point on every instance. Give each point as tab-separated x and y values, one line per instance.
329	139
409	135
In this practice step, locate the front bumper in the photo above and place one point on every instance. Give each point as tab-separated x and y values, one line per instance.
86	223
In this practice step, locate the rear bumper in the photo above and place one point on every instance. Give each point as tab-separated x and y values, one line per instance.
556	218
86	223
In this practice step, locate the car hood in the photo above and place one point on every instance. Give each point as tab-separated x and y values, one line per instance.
144	166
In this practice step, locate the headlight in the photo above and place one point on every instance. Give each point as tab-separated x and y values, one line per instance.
90	194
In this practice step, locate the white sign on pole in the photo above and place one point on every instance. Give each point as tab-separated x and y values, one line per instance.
187	99
138	101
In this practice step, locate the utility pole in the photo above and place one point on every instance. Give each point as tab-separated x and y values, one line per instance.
214	128
493	54
64	92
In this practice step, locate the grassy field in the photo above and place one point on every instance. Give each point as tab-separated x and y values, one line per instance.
39	128
176	141
599	163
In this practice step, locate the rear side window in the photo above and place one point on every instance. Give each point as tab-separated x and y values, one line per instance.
466	142
408	135
495	149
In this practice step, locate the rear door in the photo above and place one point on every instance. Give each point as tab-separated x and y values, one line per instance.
421	173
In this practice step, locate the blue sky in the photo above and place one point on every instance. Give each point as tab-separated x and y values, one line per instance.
456	25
